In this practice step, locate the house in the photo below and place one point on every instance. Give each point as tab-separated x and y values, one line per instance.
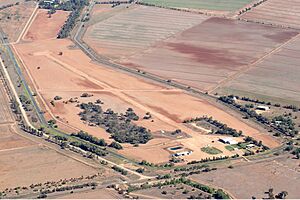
228	141
264	108
182	153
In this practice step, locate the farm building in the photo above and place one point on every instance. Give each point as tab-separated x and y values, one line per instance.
228	141
264	108
183	153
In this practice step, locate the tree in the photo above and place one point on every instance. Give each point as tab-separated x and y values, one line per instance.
282	195
116	145
270	193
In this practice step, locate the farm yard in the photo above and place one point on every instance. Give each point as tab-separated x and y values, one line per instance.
276	12
275	79
73	73
219	5
13	19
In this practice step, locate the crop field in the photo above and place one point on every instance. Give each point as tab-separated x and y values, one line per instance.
276	12
119	35
275	79
73	73
13	19
255	178
219	5
201	57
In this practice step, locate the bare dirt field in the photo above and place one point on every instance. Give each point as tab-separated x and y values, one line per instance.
275	79
276	12
202	57
52	22
13	19
72	73
253	179
7	2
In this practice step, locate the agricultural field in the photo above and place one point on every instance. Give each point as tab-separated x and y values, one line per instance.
275	79
118	35
73	73
219	5
276	12
14	19
203	58
253	179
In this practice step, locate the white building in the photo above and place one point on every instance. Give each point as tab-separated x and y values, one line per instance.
264	108
228	141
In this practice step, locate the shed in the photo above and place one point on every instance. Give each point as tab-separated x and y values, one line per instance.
228	141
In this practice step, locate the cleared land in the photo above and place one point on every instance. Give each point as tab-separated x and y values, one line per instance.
119	35
222	5
276	12
27	165
275	79
13	19
24	161
7	2
254	179
44	18
202	57
72	73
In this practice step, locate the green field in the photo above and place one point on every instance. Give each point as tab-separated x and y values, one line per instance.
211	150
220	5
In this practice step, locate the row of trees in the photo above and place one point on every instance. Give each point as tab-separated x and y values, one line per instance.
217	194
75	6
222	129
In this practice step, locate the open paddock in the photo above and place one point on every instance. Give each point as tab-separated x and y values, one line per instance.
54	23
276	12
275	79
7	2
202	57
245	180
38	164
13	19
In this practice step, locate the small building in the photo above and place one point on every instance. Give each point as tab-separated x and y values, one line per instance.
264	108
228	141
182	153
250	146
